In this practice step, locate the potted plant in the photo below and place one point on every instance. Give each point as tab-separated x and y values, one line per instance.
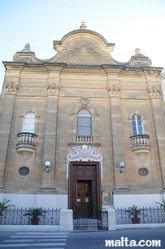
162	204
4	205
134	213
35	213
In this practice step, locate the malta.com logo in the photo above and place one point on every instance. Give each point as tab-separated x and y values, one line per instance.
125	242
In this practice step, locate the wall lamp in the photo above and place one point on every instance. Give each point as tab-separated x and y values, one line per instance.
122	166
47	165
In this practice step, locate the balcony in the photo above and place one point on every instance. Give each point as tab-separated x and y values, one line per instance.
75	140
140	144
26	142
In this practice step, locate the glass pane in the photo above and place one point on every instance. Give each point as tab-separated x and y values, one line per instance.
140	130
29	123
134	131
137	125
87	121
84	112
84	126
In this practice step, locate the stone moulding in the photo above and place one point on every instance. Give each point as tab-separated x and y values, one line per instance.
84	153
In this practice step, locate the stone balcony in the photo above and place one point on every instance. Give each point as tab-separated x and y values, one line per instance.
92	140
140	143
26	142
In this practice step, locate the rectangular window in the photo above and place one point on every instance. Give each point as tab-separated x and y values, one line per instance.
137	125
84	126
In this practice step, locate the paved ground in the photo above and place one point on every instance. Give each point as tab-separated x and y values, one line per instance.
83	239
96	240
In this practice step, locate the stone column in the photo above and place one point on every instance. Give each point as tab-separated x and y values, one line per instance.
48	178
8	104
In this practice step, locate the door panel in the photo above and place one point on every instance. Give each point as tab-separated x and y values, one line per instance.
83	206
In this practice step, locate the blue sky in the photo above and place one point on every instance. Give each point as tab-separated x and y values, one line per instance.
127	23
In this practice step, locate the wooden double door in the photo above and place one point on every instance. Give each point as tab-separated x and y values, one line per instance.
84	195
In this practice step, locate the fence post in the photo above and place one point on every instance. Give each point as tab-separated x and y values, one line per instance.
66	220
111	219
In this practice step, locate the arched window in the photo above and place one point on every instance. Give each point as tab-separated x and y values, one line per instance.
29	123
84	123
137	125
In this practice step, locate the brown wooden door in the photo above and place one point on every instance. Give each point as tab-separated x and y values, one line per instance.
81	173
84	198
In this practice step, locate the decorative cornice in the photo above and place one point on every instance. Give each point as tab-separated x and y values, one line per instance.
11	88
114	91
154	92
53	88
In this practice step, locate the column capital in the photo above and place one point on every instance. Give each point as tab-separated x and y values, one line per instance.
53	88
114	90
11	88
154	92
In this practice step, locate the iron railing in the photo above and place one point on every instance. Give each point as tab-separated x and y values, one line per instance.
15	216
81	221
148	215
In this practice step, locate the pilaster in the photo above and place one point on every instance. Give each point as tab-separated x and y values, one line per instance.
155	93
114	91
53	87
10	90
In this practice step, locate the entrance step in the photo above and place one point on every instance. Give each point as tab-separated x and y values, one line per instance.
86	224
92	224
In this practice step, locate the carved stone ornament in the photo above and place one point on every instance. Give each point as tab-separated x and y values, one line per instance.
162	75
139	60
84	101
11	87
84	153
114	91
53	88
154	92
26	55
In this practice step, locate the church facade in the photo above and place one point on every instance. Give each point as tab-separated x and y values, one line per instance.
81	130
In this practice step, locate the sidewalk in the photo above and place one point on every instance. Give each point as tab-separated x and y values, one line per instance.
28	228
138	226
55	228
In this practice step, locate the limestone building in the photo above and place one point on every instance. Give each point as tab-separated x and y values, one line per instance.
81	130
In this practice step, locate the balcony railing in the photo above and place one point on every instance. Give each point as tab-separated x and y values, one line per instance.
140	143
26	141
84	139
